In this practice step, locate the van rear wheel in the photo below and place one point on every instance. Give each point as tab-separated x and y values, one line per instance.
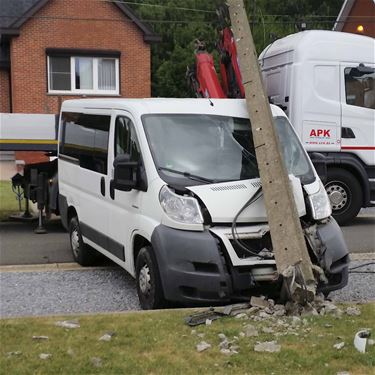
82	253
149	287
344	193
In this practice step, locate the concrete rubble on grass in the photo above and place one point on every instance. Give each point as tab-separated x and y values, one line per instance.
96	361
228	347
107	336
339	345
267	346
45	356
68	324
40	338
14	354
353	311
202	346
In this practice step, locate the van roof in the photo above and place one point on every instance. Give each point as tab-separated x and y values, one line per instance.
223	107
323	45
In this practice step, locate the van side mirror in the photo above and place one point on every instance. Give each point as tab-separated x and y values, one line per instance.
125	175
320	164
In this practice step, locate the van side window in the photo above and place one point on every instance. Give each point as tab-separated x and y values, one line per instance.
126	141
360	87
85	138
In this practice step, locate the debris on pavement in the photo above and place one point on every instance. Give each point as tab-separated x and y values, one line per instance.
40	337
68	324
360	340
267	346
202	346
45	356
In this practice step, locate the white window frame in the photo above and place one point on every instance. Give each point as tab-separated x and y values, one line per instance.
95	90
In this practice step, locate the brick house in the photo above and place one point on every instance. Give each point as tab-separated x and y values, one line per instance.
53	50
357	16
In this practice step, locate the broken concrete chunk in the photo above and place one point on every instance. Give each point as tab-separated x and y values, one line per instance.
370	342
343	373
208	322
224	344
259	302
339	345
44	356
267	330
193	331
241	316
222	337
13	354
96	361
67	324
267	346
250	331
360	340
70	352
225	351
107	336
202	346
40	337
201	335
353	311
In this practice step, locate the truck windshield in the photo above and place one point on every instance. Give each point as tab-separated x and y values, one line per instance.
213	148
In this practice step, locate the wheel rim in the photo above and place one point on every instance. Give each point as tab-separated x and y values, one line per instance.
74	240
145	279
339	195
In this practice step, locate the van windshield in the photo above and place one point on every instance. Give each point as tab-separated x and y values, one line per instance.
195	148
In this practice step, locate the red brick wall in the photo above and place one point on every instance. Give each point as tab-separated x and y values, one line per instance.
4	91
28	57
366	10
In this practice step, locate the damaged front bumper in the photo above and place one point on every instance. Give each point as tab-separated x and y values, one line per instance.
208	268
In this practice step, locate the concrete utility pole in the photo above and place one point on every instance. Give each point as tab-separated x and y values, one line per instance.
291	255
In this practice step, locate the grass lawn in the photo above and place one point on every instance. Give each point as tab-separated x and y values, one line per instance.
8	201
160	343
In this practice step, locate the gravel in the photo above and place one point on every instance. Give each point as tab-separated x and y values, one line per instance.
64	292
112	289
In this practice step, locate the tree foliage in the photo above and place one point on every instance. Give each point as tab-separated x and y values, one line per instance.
179	27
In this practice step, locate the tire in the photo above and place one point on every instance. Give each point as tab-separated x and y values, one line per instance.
82	253
345	195
149	287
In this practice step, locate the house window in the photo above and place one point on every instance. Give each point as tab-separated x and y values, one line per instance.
83	75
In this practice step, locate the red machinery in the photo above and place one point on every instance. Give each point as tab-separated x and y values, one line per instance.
202	75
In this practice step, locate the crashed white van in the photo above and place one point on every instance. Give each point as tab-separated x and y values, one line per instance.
169	189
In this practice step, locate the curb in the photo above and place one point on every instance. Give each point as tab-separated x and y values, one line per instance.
51	267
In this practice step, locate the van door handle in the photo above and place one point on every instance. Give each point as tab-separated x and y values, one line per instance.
102	186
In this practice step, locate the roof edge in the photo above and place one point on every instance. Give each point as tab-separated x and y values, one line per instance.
29	13
148	35
344	13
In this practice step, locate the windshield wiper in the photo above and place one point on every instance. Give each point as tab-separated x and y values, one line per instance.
188	175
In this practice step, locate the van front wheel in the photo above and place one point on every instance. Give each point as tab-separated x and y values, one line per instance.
149	288
82	253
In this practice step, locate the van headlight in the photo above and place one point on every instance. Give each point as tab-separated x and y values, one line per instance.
179	208
320	205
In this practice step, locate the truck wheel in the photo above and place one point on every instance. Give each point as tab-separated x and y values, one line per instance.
345	194
149	288
82	253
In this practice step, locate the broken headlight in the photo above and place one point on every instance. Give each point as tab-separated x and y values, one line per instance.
320	205
180	208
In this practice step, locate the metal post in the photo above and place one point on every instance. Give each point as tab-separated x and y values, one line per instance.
288	241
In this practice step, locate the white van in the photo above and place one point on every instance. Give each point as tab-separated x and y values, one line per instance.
169	189
325	82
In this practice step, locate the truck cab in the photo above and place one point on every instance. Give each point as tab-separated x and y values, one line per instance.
324	81
169	189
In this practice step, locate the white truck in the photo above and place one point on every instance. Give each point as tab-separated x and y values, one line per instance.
169	189
325	83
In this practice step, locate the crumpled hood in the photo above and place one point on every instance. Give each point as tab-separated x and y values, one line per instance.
224	200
